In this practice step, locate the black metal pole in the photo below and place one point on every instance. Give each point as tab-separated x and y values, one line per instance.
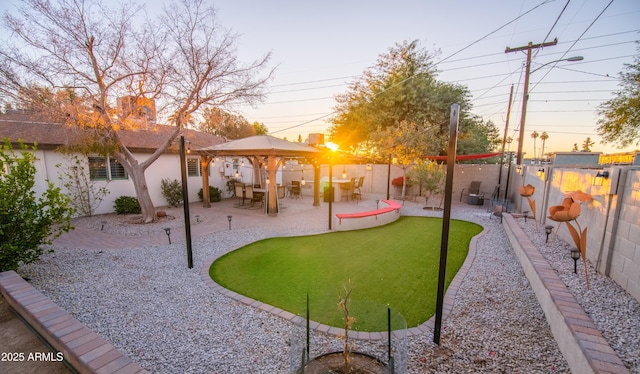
185	203
388	176
446	218
389	332
308	337
330	192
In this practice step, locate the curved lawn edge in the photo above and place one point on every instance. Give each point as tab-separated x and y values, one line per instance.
424	328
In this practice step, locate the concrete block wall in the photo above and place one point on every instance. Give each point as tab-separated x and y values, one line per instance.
625	264
376	176
612	219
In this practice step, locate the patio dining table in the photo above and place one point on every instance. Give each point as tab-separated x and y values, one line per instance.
337	190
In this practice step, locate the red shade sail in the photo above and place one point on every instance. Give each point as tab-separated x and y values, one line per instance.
463	157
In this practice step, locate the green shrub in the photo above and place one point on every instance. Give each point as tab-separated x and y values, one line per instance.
215	194
27	221
172	191
127	205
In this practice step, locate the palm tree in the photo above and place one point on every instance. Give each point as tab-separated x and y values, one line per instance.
544	138
534	135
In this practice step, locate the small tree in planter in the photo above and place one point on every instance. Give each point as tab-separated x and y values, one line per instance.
348	360
343	305
403	144
430	177
401	185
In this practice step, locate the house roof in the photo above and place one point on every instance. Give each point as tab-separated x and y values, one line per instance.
51	135
261	145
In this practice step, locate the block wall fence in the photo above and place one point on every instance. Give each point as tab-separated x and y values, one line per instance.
612	219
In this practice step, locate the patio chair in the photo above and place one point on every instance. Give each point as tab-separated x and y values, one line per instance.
347	188
282	192
253	197
474	189
357	192
295	190
239	192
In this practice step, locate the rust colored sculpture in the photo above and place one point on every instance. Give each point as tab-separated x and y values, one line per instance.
570	211
527	191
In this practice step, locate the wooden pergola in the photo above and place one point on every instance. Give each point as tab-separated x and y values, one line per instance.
262	150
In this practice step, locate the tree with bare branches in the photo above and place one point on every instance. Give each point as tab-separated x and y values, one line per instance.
96	54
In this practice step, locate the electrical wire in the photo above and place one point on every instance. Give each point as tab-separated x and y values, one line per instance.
552	27
442	60
574	43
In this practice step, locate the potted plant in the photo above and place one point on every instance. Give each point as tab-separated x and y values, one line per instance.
430	177
348	360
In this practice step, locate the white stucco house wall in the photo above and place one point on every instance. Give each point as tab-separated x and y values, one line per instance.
106	172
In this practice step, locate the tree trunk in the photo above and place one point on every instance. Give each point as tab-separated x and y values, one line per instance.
142	192
404	183
136	172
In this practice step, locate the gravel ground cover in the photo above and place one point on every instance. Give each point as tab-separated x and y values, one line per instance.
613	310
146	302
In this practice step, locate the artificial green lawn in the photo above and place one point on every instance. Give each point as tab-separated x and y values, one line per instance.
395	265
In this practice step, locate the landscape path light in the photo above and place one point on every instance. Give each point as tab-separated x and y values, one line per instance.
167	230
229	218
575	255
548	229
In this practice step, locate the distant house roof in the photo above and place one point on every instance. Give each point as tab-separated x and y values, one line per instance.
51	135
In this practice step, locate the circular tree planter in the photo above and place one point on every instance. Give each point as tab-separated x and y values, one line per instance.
361	363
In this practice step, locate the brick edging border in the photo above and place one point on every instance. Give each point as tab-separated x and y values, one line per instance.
579	340
83	349
425	328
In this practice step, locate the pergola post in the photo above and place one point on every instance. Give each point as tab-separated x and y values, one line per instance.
316	182
272	191
204	168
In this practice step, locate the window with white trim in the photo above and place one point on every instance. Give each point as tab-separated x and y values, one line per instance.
193	167
106	168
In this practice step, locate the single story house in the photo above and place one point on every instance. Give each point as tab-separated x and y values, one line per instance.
106	171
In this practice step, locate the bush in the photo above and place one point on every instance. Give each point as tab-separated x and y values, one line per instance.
215	194
172	191
85	194
127	205
26	221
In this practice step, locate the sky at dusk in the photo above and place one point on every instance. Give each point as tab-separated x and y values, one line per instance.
321	47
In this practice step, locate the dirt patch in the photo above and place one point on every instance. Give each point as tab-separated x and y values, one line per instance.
22	351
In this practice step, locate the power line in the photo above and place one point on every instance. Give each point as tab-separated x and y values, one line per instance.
574	43
474	65
446	58
553	26
506	76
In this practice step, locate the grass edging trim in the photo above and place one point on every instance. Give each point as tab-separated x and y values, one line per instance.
424	328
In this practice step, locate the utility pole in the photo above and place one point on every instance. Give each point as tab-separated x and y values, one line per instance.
504	138
525	95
